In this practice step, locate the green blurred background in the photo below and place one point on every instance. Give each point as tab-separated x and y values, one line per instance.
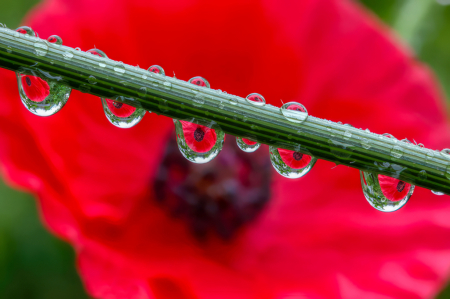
36	265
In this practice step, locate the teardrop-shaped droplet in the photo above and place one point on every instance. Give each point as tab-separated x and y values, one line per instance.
247	145
437	193
42	97
291	164
26	30
120	114
294	112
384	193
156	69
199	81
256	99
54	39
198	143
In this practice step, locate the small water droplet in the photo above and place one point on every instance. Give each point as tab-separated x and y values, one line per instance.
256	99
54	39
199	100
384	193
221	106
233	100
294	112
99	54
437	193
340	150
92	80
119	68
144	76
198	143
42	97
157	70
199	81
389	136
9	49
291	164
167	85
347	135
40	48
77	49
67	55
247	145
26	30
365	143
422	175
397	152
163	105
142	91
121	114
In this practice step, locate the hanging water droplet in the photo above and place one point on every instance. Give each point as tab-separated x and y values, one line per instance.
384	193
142	91
120	114
26	30
437	193
67	55
294	112
54	39
256	99
40	48
42	97
198	143
92	80
247	145
397	152
163	105
119	68
365	143
156	69
422	175
291	164
199	81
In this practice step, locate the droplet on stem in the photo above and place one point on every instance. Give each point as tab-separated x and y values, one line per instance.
256	99
291	164
120	114
26	30
294	112
157	70
247	145
54	39
199	81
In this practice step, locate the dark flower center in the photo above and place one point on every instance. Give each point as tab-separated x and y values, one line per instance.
297	156
400	186
117	104
199	134
28	81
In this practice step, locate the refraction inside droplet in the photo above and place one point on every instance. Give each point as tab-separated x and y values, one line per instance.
294	112
120	114
248	146
291	164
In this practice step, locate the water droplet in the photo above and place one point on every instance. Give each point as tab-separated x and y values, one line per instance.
397	152
247	145
92	80
221	106
99	54
384	193
422	175
120	114
365	143
291	164
294	112
42	97
340	150
199	100
26	30
421	145
437	193
119	68
347	135
446	153
256	99
77	49
156	69
67	55
54	39
142	91
233	100
40	48
167	85
389	136
198	143
199	81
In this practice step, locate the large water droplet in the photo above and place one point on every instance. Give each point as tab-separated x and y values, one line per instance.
120	114
199	81
384	193
247	145
198	143
437	193
26	30
291	164
294	112
256	99
42	97
156	69
119	68
54	39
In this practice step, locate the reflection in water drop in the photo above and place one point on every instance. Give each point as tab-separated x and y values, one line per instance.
294	112
291	164
256	99
198	143
42	97
26	30
156	69
54	39
199	81
120	114
384	193
119	68
247	145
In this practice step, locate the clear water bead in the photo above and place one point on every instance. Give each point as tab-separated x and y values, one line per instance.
294	112
67	55
54	39
119	68
247	145
41	97
156	69
26	30
199	81
384	193
121	114
92	79
256	99
199	143
291	164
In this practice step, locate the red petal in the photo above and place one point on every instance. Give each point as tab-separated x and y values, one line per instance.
208	140
120	109
391	188
249	142
35	88
294	159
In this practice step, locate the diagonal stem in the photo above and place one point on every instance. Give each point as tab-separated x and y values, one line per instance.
266	124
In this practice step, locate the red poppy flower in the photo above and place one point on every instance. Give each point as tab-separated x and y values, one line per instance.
310	237
293	159
199	138
120	109
392	188
35	88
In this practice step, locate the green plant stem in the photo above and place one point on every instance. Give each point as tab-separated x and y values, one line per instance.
179	99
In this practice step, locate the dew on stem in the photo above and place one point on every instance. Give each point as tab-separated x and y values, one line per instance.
291	164
120	114
157	70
